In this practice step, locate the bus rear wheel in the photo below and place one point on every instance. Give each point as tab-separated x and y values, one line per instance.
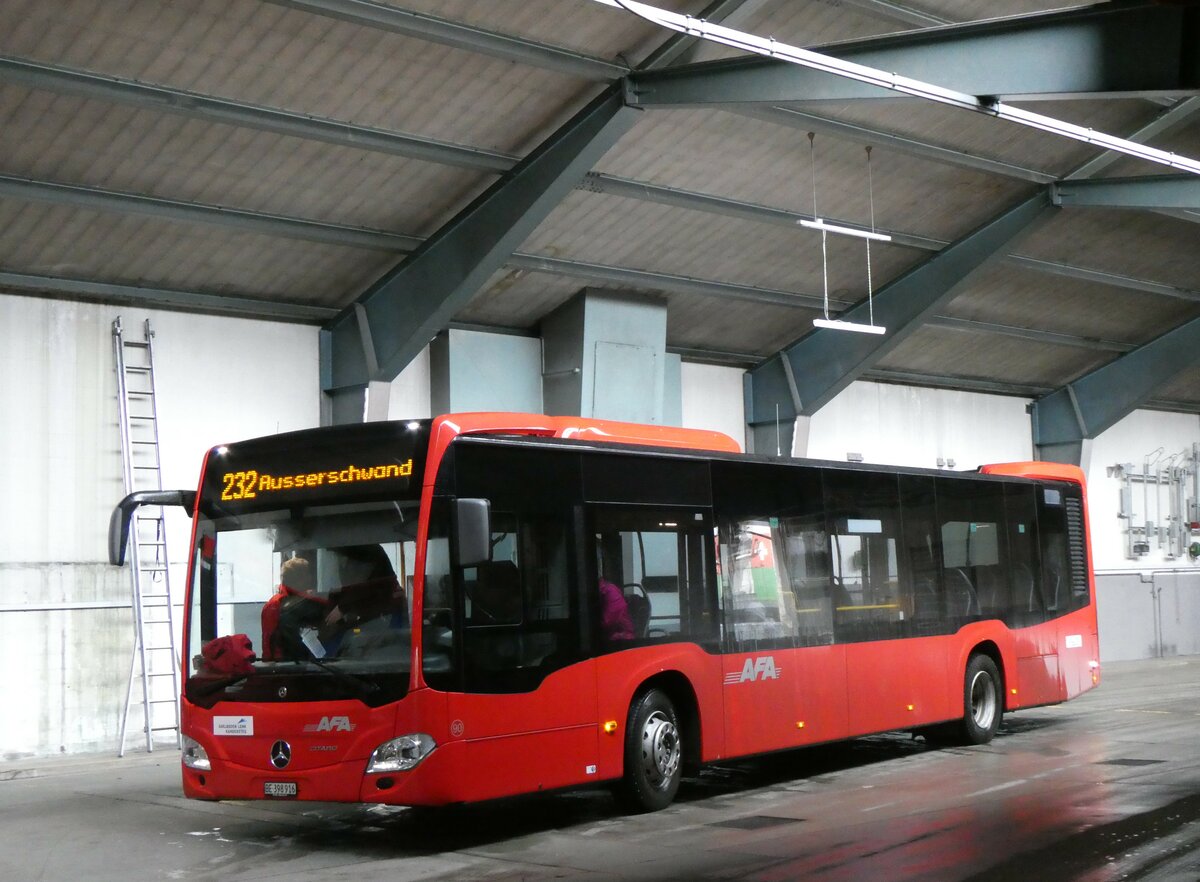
653	754
983	701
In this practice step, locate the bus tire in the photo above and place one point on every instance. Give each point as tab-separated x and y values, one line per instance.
653	754
983	700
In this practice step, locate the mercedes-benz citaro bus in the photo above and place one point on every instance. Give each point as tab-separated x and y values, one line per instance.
487	604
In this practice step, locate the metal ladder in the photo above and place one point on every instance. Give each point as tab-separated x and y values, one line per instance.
155	660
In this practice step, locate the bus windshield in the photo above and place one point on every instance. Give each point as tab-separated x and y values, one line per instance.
326	593
303	568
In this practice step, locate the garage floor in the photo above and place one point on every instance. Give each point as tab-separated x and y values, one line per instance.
1106	787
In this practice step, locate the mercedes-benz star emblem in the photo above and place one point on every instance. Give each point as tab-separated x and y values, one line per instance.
281	754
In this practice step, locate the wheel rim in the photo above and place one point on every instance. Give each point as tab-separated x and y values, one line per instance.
660	750
983	700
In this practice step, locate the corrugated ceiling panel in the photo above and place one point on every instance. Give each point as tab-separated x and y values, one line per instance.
586	27
726	154
515	298
265	54
715	323
1140	244
57	241
946	352
1011	295
521	299
991	138
624	232
66	139
1183	387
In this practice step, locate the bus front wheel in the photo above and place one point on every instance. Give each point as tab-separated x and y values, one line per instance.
653	753
983	700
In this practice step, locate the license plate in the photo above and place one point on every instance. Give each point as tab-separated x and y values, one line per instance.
280	789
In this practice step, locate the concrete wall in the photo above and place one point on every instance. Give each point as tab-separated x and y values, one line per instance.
66	633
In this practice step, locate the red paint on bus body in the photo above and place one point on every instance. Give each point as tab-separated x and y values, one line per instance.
497	745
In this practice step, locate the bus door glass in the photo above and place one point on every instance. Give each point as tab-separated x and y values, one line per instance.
523	695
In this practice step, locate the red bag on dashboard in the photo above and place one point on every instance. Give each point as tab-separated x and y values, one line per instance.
229	655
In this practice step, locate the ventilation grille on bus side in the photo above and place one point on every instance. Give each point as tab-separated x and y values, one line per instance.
1075	545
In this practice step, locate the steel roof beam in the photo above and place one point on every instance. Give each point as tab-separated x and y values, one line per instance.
1172	192
71	81
1067	418
167	298
679	46
393	320
824	362
1108	51
423	26
201	213
196	105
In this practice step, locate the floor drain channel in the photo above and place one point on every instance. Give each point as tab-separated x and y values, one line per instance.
756	822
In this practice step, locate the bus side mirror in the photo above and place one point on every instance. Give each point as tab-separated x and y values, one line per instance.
118	522
472	531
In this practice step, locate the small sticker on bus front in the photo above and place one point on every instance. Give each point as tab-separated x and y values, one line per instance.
233	725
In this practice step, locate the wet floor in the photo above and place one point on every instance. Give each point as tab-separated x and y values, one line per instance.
1104	788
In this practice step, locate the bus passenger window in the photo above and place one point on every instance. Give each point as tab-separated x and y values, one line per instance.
975	581
864	519
759	605
806	562
519	625
1025	596
658	559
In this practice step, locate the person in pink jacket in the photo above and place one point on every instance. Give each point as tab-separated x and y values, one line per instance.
615	621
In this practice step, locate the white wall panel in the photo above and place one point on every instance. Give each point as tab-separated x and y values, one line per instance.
65	621
409	399
1129	441
907	425
712	399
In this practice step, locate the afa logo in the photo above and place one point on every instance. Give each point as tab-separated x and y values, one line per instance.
331	724
755	669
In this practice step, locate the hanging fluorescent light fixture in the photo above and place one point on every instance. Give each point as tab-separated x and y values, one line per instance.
819	224
771	48
857	327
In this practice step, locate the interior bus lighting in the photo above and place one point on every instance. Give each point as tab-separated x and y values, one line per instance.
818	224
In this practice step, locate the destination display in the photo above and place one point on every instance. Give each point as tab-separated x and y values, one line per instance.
329	465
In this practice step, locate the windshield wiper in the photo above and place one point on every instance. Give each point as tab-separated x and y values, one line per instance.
365	686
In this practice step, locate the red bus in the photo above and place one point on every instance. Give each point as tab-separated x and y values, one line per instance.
482	605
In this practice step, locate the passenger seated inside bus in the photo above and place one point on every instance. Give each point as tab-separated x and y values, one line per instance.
300	621
616	620
367	587
293	613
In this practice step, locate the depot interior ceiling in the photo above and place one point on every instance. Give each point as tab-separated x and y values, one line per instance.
279	159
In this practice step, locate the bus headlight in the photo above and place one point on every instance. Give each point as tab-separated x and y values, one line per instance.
194	756
401	754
